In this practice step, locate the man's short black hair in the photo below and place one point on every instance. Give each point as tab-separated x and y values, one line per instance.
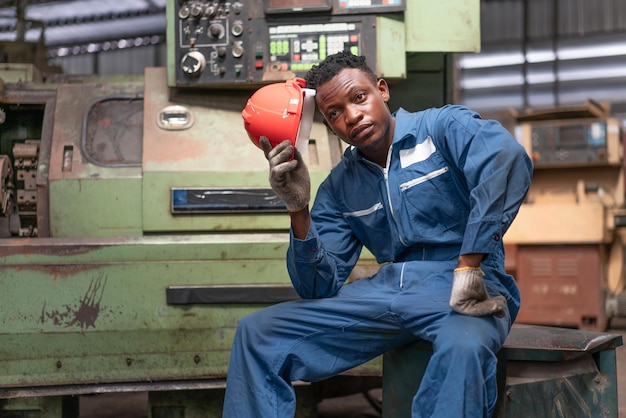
333	64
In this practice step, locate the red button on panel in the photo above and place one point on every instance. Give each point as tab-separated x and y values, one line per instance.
258	65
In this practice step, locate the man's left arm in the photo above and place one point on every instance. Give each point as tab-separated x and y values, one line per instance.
497	172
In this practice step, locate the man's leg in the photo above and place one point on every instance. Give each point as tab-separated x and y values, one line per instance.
460	380
307	340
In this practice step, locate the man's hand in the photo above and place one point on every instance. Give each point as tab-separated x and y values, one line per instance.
470	297
289	176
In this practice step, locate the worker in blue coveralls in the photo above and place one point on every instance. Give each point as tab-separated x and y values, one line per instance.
431	195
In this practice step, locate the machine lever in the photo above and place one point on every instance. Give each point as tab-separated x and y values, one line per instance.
229	294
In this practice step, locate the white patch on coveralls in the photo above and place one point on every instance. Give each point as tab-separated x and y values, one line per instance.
418	153
364	212
402	275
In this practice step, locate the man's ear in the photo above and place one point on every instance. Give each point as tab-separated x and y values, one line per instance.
383	89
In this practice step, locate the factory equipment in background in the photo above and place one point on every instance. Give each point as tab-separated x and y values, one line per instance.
137	225
566	246
216	44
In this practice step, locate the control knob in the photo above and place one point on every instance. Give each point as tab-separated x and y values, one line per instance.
193	63
184	12
216	30
237	7
211	10
197	9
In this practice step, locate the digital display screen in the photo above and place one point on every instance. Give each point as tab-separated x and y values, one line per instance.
274	6
572	135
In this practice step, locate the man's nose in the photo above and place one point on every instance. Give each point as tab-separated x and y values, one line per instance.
353	114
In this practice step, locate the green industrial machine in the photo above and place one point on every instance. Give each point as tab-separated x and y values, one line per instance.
137	225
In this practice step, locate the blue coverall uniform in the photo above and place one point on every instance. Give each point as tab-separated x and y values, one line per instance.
452	185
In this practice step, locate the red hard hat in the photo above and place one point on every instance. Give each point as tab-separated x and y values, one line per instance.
280	111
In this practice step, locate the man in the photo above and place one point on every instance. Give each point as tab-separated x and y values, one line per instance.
430	194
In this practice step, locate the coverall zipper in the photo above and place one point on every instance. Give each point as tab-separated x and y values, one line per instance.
393	215
385	171
419	180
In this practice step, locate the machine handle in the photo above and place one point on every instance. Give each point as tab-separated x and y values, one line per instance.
229	294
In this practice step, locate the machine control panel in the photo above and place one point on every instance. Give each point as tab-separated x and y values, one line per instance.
210	40
579	142
218	43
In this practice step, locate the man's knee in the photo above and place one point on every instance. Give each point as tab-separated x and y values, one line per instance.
251	327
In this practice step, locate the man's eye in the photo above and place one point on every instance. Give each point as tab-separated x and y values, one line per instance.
359	97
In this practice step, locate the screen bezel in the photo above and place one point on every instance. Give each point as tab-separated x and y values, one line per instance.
328	5
372	9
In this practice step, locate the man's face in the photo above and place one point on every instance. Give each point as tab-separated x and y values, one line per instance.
355	109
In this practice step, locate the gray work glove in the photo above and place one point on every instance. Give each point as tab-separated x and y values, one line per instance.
470	297
289	176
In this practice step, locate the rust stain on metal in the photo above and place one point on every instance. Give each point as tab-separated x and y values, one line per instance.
104	123
28	246
85	313
59	270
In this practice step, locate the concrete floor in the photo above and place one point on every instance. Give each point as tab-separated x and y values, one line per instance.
135	405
